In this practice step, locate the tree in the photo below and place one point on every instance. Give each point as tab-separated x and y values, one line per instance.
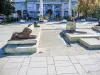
87	7
6	7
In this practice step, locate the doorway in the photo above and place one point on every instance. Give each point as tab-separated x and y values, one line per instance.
49	13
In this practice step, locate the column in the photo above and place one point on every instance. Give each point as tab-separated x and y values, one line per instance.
62	10
41	8
44	9
70	8
53	9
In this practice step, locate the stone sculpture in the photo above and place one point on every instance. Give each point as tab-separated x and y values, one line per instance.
25	34
36	24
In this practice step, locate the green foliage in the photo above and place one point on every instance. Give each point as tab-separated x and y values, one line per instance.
25	3
97	13
67	18
6	7
87	7
46	18
8	19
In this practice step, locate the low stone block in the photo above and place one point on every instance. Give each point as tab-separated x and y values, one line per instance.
23	41
90	42
29	48
24	45
76	37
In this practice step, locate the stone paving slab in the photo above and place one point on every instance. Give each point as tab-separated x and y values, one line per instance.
61	58
23	70
73	60
95	58
38	64
87	62
26	62
38	59
9	71
37	71
55	65
92	68
50	60
64	70
63	63
12	66
69	74
95	73
80	70
17	60
51	70
2	62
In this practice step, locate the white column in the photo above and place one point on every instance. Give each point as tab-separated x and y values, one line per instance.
70	8
62	10
53	9
44	9
41	8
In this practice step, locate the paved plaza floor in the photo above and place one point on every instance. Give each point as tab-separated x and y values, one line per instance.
57	57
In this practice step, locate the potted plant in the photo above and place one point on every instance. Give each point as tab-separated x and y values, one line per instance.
46	19
41	19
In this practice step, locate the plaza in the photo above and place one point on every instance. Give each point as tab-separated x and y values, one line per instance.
50	37
57	58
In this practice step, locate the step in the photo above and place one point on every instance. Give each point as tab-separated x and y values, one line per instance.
76	37
91	43
23	41
26	48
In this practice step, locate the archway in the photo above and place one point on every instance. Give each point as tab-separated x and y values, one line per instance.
49	12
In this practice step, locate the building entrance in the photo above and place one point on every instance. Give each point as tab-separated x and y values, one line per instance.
49	13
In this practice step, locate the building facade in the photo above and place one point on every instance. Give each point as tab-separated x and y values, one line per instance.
55	8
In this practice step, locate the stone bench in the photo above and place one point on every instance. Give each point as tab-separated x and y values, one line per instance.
24	45
91	43
76	37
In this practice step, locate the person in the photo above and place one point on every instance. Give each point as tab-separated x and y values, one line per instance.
15	16
25	34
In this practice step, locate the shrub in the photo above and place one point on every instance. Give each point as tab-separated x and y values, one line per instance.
67	18
46	18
